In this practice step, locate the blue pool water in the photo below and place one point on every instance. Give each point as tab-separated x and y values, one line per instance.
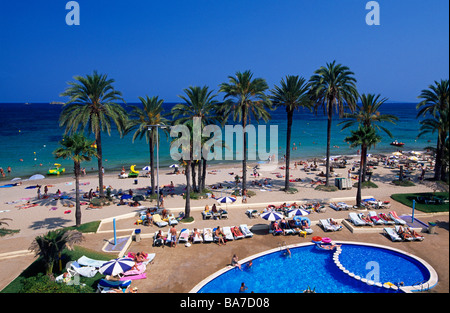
314	268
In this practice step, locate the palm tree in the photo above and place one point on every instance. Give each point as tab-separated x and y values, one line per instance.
368	114
244	99
92	104
435	104
141	118
199	102
366	137
438	123
293	94
333	87
50	245
80	149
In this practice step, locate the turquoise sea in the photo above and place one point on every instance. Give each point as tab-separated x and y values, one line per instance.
29	133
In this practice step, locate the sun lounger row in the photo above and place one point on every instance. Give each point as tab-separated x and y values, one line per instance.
297	226
402	233
340	206
206	235
360	219
372	203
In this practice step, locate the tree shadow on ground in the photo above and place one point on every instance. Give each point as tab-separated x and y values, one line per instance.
50	223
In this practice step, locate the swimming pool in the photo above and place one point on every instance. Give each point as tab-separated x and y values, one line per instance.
310	267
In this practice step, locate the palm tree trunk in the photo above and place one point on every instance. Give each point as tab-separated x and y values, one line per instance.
98	138
199	183
358	192
439	154
290	114
204	174
77	194
152	161
194	181
244	151
187	207
330	115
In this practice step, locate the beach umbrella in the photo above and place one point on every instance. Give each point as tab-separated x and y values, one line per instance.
116	266
226	200
173	165
37	176
297	212
397	153
16	179
272	216
126	197
147	168
413	158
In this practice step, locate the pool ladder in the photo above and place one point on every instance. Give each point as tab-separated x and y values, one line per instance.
422	285
282	245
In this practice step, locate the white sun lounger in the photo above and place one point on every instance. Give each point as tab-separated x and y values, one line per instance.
370	222
85	261
237	232
158	220
197	238
396	219
228	234
207	235
392	234
335	227
246	231
326	225
354	218
184	235
375	219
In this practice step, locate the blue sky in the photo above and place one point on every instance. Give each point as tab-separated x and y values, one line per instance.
161	47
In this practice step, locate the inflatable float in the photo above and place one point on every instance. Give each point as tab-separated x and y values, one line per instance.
133	172
56	170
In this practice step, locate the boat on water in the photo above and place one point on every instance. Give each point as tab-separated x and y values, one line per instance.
397	144
56	170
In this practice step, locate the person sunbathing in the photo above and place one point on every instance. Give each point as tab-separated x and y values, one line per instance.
404	233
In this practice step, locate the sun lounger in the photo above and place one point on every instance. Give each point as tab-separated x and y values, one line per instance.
375	219
334	224
208	235
365	219
228	234
252	213
158	221
246	231
85	271
393	215
354	218
106	285
85	261
223	214
237	233
197	238
326	225
386	219
295	229
392	234
184	235
172	220
206	215
157	242
405	233
275	231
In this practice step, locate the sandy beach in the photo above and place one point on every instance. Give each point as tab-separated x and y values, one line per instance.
51	214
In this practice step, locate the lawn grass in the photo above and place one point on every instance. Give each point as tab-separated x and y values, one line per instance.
38	267
407	199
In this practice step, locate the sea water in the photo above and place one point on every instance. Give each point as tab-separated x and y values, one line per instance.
29	133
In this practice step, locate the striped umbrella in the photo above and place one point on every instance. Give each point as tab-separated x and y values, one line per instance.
272	216
297	212
116	266
226	199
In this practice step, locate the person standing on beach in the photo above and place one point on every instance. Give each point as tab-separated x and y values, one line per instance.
39	193
45	190
9	170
